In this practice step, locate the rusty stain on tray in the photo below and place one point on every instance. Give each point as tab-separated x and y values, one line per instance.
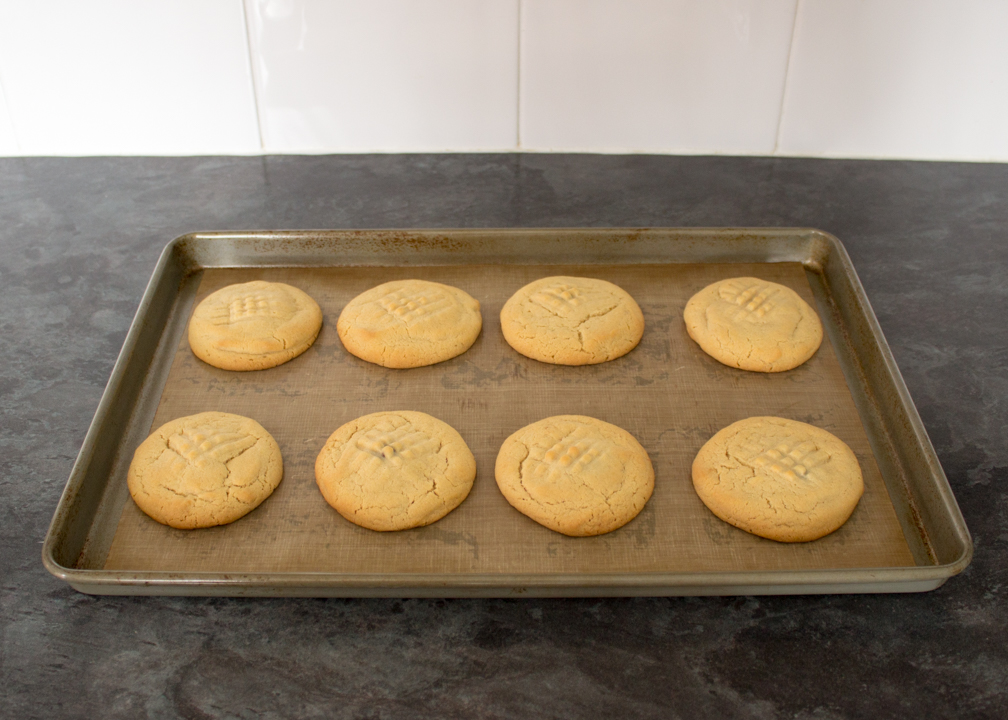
667	393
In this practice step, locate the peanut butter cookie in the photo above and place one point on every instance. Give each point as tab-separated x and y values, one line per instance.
779	479
409	323
253	326
204	470
395	470
575	474
753	324
572	321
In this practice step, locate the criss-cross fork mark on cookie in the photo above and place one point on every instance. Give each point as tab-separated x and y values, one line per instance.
411	306
572	454
251	306
753	298
791	461
201	448
560	299
395	444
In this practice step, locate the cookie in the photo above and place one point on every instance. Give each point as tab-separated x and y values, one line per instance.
409	323
253	326
395	470
572	321
779	479
575	474
204	470
753	324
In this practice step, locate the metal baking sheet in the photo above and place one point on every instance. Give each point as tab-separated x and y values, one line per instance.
667	393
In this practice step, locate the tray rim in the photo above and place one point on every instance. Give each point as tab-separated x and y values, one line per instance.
317	584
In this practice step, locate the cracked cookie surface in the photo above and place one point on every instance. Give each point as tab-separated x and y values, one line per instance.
575	474
254	325
395	470
409	323
779	479
753	324
572	321
204	470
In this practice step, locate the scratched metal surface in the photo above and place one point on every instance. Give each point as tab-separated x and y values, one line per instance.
666	392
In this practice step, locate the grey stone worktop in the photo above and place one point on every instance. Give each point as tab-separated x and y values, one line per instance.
78	241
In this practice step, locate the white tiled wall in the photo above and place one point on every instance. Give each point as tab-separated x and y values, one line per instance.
898	78
385	74
848	78
124	77
653	75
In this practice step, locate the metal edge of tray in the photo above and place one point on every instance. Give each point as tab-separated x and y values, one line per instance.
821	253
860	580
950	543
68	534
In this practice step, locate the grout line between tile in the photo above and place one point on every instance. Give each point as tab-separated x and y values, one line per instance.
252	75
787	77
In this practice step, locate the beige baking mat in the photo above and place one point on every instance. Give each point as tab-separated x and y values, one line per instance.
667	393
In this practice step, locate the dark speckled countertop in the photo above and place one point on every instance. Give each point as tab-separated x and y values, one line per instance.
78	241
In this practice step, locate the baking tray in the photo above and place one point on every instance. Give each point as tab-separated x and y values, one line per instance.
906	535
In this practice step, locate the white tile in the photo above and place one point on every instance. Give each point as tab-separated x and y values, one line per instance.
923	79
653	75
119	77
386	75
8	140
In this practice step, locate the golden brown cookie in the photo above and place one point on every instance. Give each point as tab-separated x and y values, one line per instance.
572	321
204	470
253	326
575	474
753	324
395	470
409	323
779	479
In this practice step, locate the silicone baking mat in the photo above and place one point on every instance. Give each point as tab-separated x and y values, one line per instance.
666	392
